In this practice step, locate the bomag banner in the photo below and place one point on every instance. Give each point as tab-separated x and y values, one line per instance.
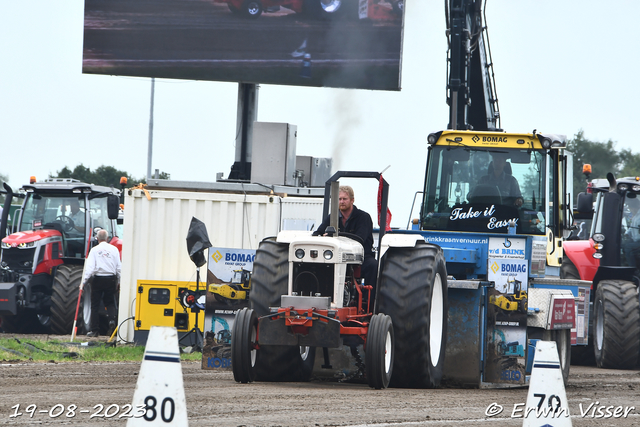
228	287
507	311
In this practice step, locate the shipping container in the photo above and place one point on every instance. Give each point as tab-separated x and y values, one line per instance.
155	231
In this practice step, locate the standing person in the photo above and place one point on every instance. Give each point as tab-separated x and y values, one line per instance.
358	222
103	268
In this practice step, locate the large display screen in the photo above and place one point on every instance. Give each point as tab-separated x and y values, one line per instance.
322	43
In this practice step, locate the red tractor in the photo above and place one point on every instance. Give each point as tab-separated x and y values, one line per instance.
322	9
42	259
610	258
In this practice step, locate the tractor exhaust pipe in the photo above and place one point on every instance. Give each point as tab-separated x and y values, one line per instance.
612	182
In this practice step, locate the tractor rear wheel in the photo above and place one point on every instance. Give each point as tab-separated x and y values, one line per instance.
243	352
64	298
568	269
616	325
269	281
379	351
412	290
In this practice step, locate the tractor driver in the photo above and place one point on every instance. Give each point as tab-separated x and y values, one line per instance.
358	222
631	244
75	242
502	178
77	216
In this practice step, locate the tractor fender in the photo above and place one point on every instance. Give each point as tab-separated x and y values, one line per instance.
613	273
580	252
392	240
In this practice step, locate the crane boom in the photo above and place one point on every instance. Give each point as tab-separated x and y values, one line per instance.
471	92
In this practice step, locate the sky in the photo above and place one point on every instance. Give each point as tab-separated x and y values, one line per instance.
560	67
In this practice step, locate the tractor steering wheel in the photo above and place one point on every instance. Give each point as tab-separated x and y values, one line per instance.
352	237
67	223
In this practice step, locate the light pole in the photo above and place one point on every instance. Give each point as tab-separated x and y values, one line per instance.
150	149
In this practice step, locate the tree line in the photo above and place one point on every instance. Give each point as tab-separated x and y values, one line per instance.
603	158
102	175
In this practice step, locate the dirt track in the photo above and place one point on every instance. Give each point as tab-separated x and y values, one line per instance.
215	399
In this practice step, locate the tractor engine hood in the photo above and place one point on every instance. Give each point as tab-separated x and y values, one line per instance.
27	239
328	250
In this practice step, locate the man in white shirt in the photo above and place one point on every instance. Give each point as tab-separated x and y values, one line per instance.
77	216
103	268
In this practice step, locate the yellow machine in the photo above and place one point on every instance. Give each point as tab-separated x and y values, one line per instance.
511	302
158	304
517	301
236	291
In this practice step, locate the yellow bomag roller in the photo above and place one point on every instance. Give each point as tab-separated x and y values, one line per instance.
517	301
234	292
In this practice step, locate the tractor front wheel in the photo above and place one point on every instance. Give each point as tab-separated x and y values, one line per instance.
243	346
269	281
616	325
412	290
379	351
562	337
64	298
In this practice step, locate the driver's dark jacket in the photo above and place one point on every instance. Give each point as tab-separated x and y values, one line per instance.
358	223
506	183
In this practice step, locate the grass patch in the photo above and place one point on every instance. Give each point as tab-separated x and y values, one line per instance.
13	350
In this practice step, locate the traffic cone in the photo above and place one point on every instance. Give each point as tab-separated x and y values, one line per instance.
159	396
547	400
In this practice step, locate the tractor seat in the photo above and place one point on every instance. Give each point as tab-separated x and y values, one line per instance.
485	193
